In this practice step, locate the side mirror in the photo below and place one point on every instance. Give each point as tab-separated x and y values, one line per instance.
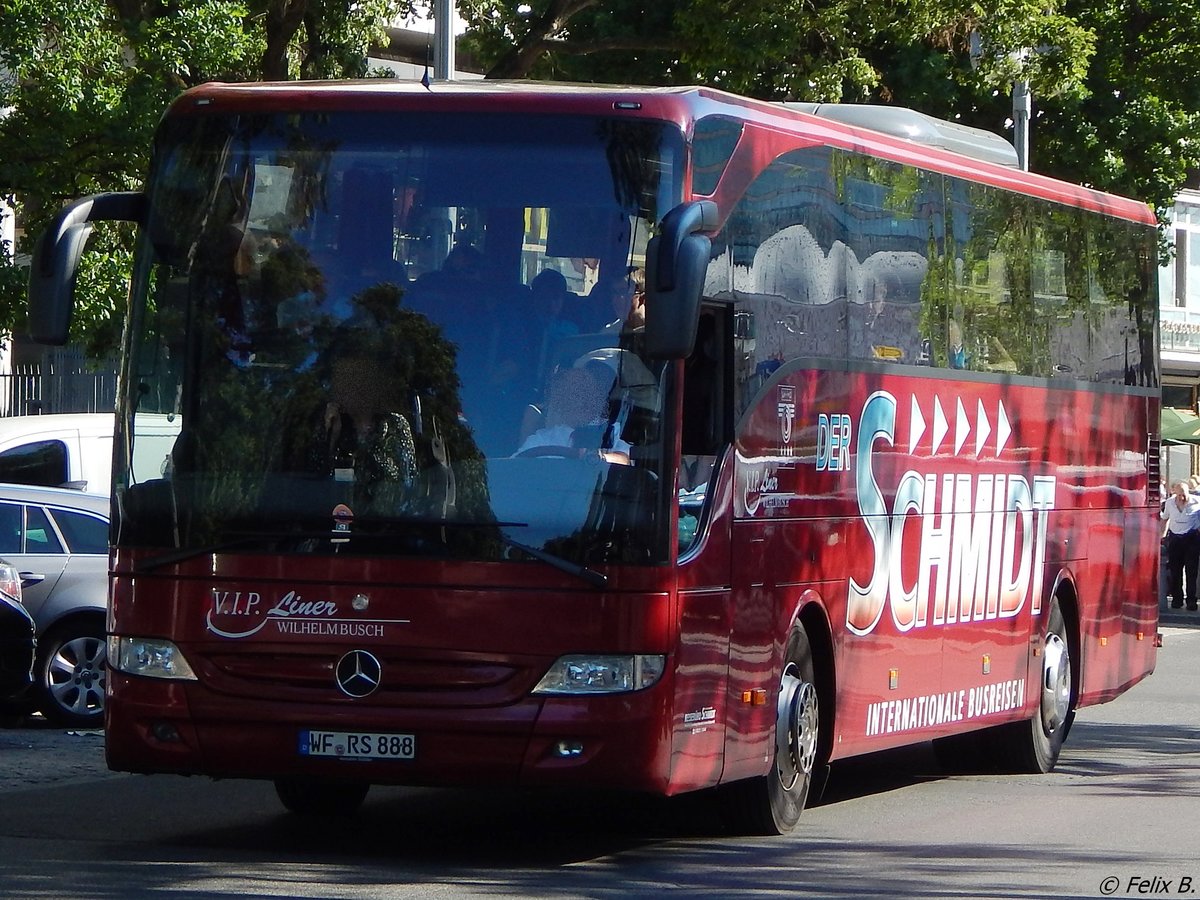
56	260
676	263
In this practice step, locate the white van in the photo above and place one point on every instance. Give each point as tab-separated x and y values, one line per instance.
76	449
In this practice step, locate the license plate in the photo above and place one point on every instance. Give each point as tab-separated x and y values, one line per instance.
357	744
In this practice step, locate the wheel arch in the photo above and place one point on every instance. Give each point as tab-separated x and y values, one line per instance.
1065	591
73	597
813	617
71	619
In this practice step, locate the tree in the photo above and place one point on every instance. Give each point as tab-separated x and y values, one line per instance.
86	81
831	50
1114	107
1124	123
1133	130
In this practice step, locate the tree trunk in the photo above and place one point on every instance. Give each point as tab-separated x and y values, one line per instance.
518	62
284	18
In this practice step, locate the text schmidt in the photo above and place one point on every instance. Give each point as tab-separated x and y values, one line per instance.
982	539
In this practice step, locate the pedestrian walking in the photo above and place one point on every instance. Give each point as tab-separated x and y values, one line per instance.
1181	511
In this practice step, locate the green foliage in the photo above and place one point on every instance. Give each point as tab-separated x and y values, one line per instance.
1114	107
830	50
86	82
1133	130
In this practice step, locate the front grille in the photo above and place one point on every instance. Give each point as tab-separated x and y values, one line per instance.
405	681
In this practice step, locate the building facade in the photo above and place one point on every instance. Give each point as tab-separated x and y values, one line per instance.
1179	317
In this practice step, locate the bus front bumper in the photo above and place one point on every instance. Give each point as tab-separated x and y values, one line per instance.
618	741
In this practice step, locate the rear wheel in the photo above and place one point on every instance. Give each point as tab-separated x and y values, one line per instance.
1031	746
72	665
307	797
1034	746
772	803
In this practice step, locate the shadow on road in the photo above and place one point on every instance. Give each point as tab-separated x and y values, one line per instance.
197	838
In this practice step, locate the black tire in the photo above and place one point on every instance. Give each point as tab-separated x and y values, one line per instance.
72	666
309	797
1032	746
772	803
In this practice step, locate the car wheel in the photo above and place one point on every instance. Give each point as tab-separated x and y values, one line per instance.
71	670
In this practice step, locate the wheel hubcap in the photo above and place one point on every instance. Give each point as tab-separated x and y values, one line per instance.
76	676
1056	683
795	728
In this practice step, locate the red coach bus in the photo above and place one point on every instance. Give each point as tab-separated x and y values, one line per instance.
646	439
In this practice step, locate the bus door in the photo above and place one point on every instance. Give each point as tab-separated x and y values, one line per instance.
703	484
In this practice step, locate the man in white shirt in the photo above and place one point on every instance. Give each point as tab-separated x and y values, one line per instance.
1181	511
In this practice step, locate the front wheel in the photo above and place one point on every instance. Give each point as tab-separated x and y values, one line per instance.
772	803
71	669
307	797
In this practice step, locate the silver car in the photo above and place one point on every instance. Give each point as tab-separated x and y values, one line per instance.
58	541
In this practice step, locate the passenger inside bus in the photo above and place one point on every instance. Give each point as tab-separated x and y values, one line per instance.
374	433
547	309
362	436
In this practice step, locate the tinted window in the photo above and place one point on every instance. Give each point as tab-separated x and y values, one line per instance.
84	533
833	254
713	143
392	265
40	536
42	462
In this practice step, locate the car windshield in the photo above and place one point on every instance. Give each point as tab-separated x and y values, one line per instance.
401	334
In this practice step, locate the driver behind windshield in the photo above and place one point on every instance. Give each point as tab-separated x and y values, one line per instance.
575	420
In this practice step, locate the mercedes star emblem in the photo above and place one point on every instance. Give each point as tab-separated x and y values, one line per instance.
358	673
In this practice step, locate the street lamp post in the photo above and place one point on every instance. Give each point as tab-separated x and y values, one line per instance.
443	39
1022	110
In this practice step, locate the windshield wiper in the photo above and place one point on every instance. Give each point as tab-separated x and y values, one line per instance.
177	556
591	576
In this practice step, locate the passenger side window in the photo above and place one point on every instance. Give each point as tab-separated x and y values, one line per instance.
40	536
84	534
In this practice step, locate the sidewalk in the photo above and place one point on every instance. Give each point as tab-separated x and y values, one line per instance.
1177	617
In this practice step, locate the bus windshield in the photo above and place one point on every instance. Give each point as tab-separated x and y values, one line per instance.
402	334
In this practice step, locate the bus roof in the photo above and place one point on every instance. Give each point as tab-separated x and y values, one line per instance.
682	105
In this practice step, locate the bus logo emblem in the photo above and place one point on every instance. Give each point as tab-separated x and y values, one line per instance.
786	410
358	673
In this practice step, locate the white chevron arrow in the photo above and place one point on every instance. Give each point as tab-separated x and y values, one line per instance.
1003	431
983	429
962	427
940	425
916	425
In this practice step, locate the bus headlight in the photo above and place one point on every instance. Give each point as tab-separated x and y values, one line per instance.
148	657
585	674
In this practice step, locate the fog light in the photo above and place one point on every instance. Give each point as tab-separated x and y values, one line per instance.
165	732
567	749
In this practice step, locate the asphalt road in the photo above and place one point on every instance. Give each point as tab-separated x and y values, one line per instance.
1119	817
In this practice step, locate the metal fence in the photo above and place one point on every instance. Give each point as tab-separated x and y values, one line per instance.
59	384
